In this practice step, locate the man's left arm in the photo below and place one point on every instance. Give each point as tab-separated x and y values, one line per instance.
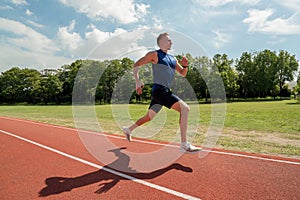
182	66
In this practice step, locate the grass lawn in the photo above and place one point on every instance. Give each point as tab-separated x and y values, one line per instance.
262	127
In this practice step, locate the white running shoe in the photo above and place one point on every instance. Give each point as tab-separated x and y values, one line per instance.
187	147
127	133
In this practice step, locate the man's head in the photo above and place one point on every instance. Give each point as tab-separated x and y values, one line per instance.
164	41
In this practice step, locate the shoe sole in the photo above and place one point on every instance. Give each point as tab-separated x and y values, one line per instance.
128	137
190	152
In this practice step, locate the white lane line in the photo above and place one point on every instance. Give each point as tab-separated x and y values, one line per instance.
156	143
151	185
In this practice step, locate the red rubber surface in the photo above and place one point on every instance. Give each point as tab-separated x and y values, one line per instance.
32	172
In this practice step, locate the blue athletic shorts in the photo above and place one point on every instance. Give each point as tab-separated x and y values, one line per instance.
162	96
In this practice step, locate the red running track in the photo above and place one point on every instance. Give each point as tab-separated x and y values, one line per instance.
41	161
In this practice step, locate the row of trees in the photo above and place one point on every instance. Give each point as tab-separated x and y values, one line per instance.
258	74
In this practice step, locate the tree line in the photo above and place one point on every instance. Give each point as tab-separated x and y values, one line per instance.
254	75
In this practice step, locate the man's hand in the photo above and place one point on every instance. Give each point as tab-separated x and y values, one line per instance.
139	87
183	61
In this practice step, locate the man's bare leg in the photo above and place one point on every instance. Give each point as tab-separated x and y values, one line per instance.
183	109
146	118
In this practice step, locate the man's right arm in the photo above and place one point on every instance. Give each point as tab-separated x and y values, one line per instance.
149	57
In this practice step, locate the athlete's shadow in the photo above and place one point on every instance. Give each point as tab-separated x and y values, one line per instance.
56	185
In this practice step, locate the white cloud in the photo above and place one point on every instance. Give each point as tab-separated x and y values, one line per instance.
131	44
259	21
37	25
25	47
28	12
100	45
157	23
208	9
80	46
68	39
25	37
6	7
275	40
99	36
124	11
19	2
291	4
219	3
94	38
221	38
13	56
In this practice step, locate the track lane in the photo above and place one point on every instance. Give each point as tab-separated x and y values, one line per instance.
214	177
33	172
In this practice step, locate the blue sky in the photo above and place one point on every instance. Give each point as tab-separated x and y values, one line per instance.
50	33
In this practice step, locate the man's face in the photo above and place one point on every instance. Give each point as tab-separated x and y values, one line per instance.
165	43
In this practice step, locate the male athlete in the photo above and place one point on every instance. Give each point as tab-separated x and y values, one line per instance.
164	66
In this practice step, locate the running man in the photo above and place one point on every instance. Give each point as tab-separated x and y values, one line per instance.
164	66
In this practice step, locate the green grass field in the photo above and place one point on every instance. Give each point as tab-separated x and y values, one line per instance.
260	127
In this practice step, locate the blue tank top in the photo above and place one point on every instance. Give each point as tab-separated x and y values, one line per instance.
164	70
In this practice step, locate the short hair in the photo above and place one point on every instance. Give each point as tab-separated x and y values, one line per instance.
160	36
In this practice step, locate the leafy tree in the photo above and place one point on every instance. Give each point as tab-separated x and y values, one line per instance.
298	78
114	70
228	75
297	88
266	80
198	75
67	75
286	67
50	87
256	74
247	69
18	85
